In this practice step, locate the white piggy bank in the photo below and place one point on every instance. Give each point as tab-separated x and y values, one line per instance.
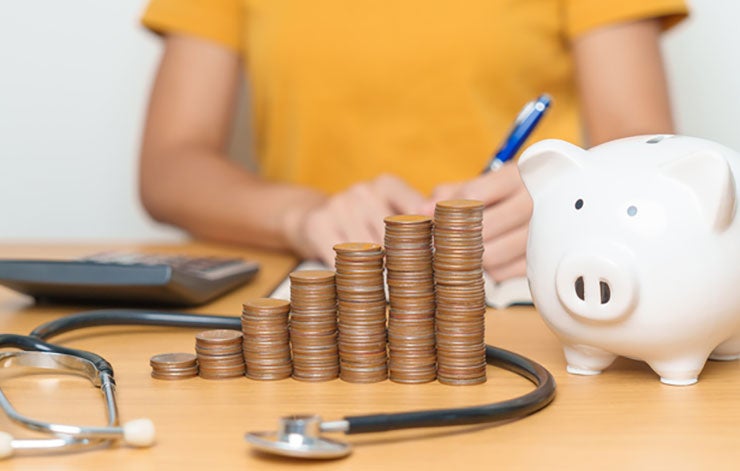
634	250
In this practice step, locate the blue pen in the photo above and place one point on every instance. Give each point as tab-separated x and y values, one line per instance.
523	126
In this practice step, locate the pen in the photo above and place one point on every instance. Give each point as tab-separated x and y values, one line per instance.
525	122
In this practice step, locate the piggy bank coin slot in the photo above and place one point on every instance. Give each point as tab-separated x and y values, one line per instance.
655	139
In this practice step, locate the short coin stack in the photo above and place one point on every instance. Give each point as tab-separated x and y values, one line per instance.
408	249
174	366
266	341
461	306
313	325
219	354
361	308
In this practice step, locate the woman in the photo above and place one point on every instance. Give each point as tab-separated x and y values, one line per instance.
368	108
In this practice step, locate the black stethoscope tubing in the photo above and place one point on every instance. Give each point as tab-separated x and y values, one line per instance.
517	407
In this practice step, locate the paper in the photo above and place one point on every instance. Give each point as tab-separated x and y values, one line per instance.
514	291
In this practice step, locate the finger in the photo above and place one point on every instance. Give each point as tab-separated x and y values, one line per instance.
370	209
398	194
350	216
514	269
507	215
327	256
321	236
505	249
326	237
427	208
320	248
377	209
492	187
446	191
442	192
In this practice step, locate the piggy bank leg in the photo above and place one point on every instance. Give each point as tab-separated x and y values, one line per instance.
586	360
727	350
682	371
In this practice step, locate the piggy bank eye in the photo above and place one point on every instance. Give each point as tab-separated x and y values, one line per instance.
632	211
579	203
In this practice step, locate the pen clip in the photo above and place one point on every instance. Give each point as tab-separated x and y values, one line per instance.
524	124
524	113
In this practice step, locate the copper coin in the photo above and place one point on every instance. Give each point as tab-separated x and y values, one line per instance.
173	360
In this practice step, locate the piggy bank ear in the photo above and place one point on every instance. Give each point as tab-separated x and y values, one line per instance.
709	177
544	161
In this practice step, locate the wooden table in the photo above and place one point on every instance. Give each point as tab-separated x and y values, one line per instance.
623	419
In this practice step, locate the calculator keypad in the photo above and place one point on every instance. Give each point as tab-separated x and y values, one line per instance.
211	268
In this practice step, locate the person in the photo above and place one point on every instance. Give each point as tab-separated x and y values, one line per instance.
365	109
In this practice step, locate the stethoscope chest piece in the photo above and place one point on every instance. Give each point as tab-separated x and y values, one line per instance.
299	436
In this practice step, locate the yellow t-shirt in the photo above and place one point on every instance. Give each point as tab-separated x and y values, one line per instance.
344	90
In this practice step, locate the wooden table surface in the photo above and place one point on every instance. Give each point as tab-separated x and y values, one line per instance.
622	419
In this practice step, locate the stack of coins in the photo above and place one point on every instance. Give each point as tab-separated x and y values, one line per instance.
174	366
361	309
219	354
408	252
461	303
266	341
313	325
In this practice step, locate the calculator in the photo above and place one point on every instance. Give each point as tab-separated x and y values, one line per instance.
128	278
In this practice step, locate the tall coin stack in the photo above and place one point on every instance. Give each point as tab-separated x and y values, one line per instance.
266	341
313	325
219	354
361	308
408	252
461	303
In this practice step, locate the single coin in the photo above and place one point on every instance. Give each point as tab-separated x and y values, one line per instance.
266	303
312	276
218	336
408	219
176	376
460	204
357	247
173	360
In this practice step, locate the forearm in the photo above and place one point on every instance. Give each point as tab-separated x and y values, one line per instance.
622	82
213	198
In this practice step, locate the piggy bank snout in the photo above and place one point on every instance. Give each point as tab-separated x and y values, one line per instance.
595	287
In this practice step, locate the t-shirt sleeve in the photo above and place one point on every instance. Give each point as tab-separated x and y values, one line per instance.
220	21
584	15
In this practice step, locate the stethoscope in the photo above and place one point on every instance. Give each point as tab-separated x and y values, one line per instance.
139	433
297	436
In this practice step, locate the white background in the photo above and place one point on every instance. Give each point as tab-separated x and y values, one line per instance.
75	77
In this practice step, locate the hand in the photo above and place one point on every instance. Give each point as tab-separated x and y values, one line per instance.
508	208
355	215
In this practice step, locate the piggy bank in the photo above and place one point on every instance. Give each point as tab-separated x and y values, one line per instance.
634	251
